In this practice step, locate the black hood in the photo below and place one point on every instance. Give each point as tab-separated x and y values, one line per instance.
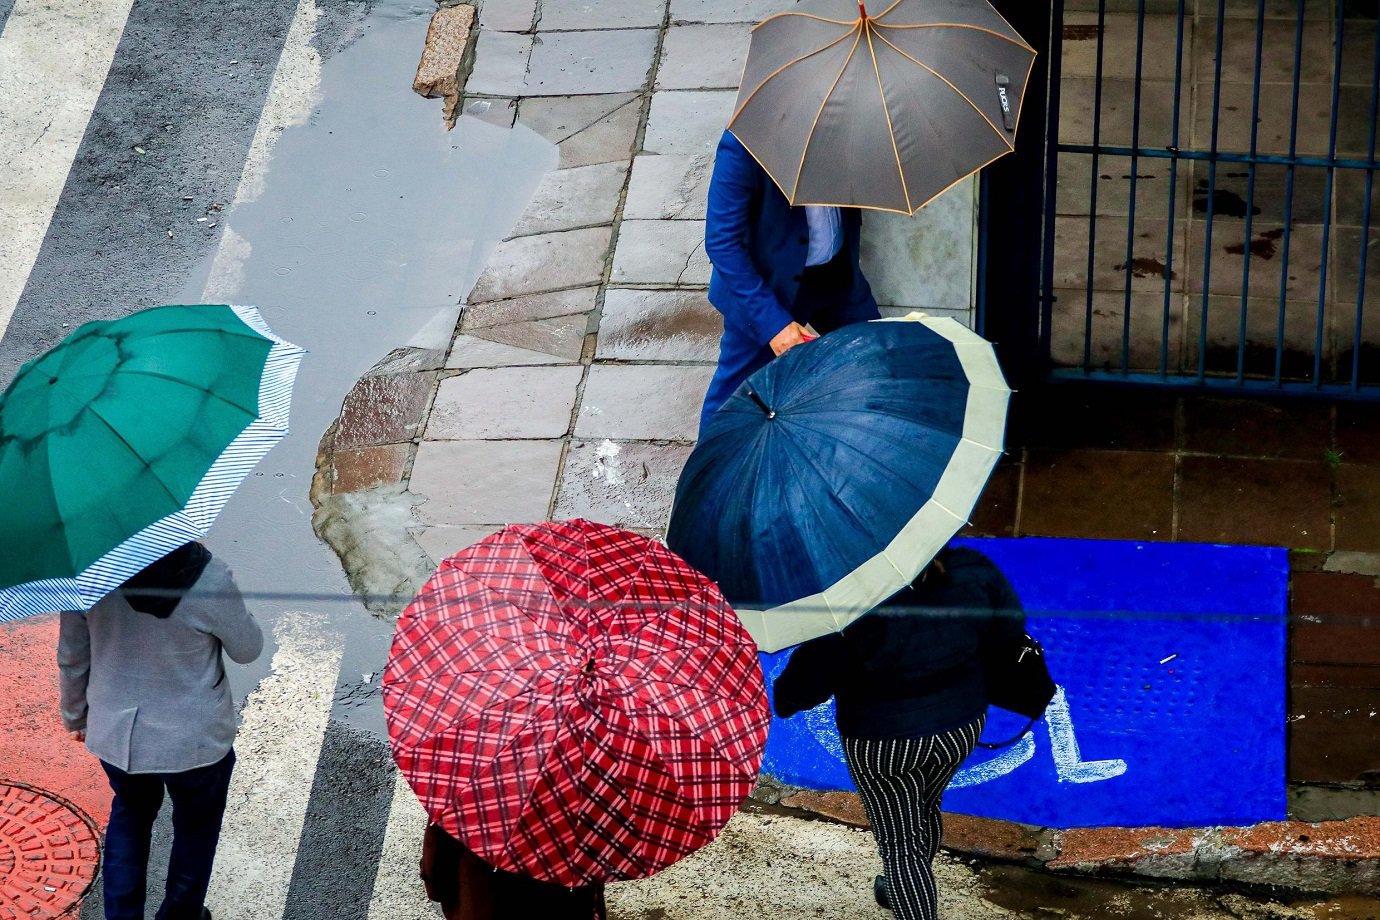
159	587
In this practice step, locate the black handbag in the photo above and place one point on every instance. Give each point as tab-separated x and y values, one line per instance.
1017	679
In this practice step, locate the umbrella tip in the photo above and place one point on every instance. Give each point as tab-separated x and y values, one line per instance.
862	10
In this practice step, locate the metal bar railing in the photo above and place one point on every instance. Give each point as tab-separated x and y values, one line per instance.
1327	195
1056	49
1173	191
1092	180
1131	193
1358	330
1211	190
1223	156
1250	197
1282	313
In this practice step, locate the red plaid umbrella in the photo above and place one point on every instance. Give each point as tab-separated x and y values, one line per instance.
575	703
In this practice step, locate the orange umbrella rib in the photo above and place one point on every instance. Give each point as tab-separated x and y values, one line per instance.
890	127
1020	43
777	72
815	123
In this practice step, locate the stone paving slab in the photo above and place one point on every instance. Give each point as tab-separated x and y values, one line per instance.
384	409
559	336
529	307
607	14
546	262
508	15
671	187
749	11
363	468
505	402
443	540
661	252
644	402
703	56
577	63
627	484
639	325
500	63
470	351
587	129
688	121
584	196
485	482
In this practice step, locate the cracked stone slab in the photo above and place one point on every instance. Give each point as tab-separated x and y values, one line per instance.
642	402
508	15
500	64
672	187
658	326
703	56
609	14
628	484
751	11
663	252
584	196
485	482
505	402
529	307
688	121
546	262
559	336
444	540
587	129
579	63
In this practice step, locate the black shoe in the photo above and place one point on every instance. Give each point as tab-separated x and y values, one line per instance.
205	914
880	892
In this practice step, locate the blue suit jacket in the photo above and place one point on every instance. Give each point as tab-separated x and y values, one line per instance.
757	242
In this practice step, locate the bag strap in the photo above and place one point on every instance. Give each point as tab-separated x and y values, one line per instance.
994	745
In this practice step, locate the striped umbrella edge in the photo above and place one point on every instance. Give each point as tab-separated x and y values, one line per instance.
194	520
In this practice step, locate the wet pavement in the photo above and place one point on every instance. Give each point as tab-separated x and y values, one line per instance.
360	228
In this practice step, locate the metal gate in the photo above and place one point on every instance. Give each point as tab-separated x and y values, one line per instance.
1210	210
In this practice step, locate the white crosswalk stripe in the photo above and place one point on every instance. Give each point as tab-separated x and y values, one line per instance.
284	722
54	58
397	893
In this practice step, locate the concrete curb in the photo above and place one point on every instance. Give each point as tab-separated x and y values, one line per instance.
1328	857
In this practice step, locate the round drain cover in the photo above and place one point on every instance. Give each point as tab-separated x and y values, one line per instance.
49	853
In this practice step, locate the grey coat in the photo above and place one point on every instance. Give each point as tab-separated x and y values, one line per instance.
151	693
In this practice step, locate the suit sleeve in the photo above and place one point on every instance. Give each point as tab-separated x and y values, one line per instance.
807	680
752	307
74	668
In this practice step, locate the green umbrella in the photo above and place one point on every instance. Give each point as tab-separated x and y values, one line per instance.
882	104
126	440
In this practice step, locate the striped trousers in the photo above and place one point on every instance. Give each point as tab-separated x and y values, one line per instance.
901	781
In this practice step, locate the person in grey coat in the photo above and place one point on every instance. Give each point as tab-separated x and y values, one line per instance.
144	685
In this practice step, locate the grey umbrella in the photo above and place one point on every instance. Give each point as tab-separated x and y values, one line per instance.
884	111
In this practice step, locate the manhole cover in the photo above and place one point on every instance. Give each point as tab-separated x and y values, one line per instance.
49	853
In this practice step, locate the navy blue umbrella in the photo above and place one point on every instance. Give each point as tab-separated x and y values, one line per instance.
834	474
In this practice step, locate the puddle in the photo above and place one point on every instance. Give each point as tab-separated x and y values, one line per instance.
372	225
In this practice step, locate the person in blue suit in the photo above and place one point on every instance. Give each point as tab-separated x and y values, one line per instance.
777	268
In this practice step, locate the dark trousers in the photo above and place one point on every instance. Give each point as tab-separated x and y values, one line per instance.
198	800
901	782
823	289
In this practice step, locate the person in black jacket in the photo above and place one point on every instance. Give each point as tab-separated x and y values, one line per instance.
911	703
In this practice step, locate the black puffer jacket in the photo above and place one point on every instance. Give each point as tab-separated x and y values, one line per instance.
911	667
